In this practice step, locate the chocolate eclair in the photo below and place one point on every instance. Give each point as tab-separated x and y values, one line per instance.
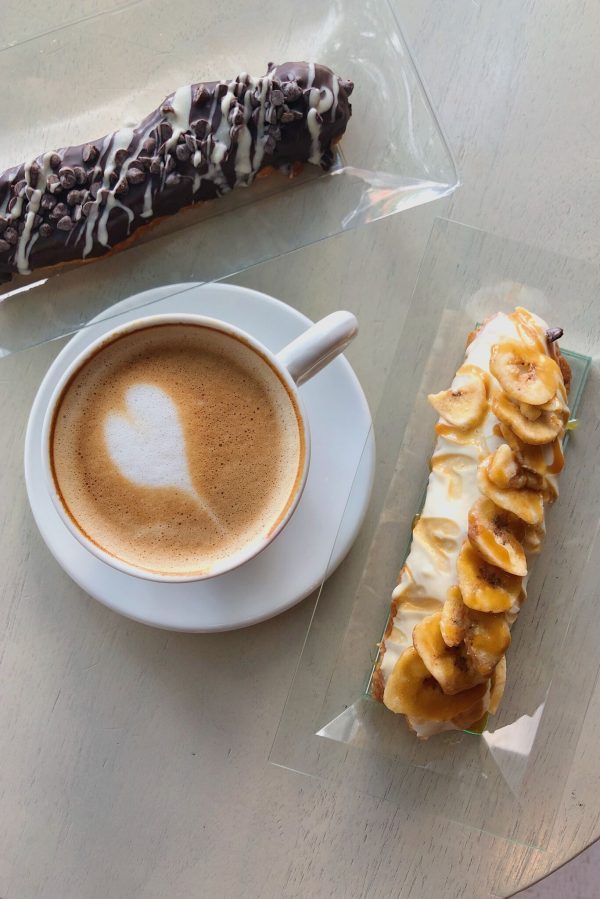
77	203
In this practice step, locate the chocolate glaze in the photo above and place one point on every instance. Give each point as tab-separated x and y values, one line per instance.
203	140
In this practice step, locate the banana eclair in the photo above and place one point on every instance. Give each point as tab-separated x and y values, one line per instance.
494	470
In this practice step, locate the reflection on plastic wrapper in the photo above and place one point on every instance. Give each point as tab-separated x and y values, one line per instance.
331	727
392	157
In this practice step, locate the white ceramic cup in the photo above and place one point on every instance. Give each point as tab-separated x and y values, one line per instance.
293	365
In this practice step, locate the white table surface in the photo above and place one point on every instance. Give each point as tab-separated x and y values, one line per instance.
134	762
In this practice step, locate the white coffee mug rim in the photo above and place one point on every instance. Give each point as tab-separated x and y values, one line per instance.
252	549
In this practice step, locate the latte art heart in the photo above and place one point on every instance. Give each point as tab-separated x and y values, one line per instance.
175	447
147	443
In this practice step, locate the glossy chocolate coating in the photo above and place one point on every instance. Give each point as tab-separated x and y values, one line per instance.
202	141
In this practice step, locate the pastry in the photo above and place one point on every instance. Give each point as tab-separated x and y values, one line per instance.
78	203
442	660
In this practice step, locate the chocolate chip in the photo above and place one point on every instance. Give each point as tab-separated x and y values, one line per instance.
170	164
19	188
65	224
74	197
190	143
53	184
236	116
45	230
34	171
21	228
277	98
276	84
135	176
67	177
201	94
3	224
290	115
81	175
12	203
156	166
164	131
95	188
121	187
553	334
11	236
255	98
90	153
173	178
201	128
120	156
59	210
143	162
87	208
347	86
55	161
183	152
36	221
291	91
221	90
149	146
48	201
167	109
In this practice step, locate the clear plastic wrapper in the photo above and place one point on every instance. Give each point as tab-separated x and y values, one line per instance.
330	726
73	82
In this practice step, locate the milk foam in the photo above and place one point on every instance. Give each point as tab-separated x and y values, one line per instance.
176	446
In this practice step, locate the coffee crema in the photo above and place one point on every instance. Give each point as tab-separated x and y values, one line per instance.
175	447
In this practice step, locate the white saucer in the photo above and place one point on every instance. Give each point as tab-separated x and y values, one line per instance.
308	548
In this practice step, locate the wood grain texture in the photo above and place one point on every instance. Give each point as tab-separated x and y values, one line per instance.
134	762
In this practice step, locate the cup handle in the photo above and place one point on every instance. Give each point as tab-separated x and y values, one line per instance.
305	356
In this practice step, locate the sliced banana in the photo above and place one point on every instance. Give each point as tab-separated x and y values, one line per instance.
532	537
503	467
475	718
486	640
525	374
544	430
485	587
412	690
531	457
450	666
463	405
531	413
526	504
455	618
497	684
494	534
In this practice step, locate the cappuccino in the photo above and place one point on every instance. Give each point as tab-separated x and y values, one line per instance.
175	446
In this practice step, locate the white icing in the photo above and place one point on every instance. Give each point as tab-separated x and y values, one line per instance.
259	149
422	574
315	132
28	239
336	90
311	74
147	210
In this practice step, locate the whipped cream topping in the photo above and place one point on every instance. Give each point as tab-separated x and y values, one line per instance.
441	528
